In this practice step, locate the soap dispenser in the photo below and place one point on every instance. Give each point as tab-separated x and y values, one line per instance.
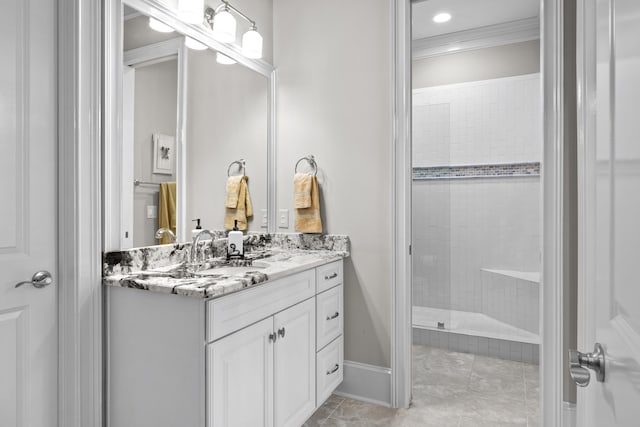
196	230
234	245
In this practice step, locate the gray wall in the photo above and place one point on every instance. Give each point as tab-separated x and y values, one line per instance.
481	64
334	101
155	111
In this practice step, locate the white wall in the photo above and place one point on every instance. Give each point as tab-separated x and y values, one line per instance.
334	64
481	64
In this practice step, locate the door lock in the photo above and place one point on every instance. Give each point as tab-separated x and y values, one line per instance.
580	363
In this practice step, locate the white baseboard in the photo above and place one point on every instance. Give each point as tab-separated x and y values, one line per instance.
364	382
569	414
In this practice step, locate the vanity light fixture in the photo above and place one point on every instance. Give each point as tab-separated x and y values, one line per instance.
223	25
190	11
224	59
252	44
159	26
194	44
442	18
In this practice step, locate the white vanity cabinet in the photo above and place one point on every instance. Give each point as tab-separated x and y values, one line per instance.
265	356
264	374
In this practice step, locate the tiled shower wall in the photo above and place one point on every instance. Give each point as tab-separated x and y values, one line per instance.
462	225
491	121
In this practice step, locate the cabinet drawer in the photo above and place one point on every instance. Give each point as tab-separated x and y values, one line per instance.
330	316
329	275
329	370
231	313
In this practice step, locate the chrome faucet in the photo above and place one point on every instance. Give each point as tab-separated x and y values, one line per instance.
194	245
162	231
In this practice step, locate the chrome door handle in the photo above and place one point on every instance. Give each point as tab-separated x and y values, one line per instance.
39	280
579	362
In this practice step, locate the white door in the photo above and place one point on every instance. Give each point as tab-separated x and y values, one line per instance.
610	212
240	378
295	364
28	213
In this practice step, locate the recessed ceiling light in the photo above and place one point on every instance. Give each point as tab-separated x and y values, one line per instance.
442	17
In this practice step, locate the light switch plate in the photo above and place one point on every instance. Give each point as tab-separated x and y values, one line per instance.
263	218
283	218
152	212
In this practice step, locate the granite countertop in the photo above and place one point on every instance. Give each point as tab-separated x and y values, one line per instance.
216	277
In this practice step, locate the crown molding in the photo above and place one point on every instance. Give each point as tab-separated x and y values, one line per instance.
477	38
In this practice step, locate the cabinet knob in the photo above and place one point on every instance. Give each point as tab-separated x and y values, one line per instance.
281	332
273	337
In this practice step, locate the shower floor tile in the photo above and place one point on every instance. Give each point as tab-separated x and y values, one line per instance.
450	389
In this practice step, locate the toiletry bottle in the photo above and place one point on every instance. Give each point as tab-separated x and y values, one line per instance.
234	246
196	230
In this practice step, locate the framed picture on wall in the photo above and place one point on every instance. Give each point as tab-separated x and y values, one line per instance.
164	154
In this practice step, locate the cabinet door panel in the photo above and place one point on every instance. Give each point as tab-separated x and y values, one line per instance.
240	378
295	382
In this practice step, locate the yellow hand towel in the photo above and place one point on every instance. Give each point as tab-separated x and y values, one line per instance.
233	191
307	220
302	190
167	209
243	209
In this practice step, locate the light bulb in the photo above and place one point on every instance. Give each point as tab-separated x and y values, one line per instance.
252	44
161	27
224	59
224	27
442	17
191	11
194	44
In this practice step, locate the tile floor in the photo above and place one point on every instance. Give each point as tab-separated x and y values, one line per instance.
450	389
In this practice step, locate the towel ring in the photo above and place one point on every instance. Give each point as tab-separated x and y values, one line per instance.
241	166
312	162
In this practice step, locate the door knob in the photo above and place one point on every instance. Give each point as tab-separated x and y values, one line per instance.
39	280
580	363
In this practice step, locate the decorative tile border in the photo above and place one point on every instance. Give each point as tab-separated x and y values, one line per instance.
476	171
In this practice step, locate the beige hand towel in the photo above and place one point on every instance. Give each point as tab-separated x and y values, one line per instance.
243	208
167	209
302	190
233	191
307	220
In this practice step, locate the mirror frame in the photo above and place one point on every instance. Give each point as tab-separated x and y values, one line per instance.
113	181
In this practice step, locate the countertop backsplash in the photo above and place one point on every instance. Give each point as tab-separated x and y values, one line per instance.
150	257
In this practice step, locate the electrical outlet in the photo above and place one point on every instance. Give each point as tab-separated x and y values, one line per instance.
264	218
283	218
152	212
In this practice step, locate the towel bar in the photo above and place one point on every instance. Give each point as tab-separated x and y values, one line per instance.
241	166
137	182
311	160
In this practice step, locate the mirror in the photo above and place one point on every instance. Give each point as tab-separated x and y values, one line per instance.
187	122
